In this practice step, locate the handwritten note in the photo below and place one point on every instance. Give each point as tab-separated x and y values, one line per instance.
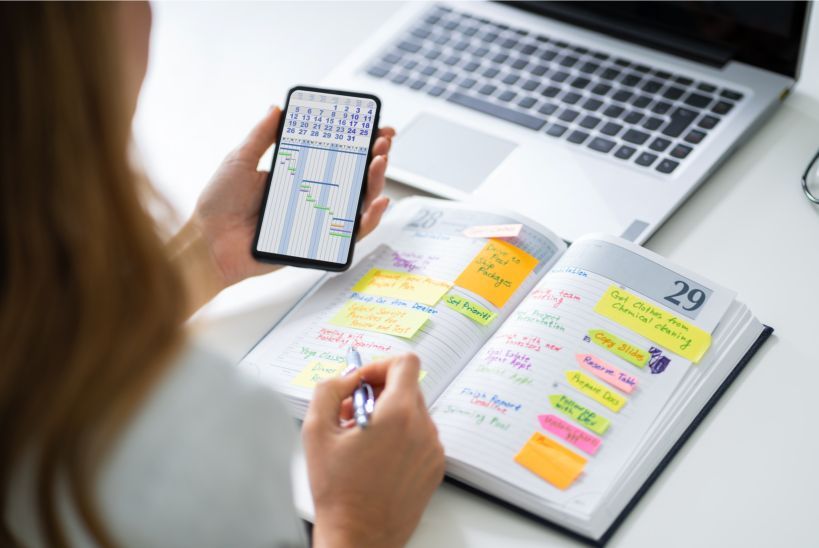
493	231
315	372
654	323
551	461
497	271
620	348
402	285
572	434
470	309
607	372
595	390
579	413
392	320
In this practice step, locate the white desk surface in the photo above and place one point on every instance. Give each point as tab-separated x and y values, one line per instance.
748	477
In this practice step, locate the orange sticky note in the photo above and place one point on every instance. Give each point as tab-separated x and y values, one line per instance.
497	271
550	460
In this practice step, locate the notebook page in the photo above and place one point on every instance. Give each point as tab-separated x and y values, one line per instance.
487	415
424	237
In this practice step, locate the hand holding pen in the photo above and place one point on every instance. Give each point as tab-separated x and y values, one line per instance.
383	474
363	396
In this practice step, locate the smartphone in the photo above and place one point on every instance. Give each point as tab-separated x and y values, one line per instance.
312	203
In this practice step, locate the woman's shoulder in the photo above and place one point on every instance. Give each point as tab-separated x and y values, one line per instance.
205	461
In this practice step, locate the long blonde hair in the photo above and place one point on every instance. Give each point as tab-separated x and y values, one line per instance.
90	308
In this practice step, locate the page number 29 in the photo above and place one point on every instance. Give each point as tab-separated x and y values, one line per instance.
694	297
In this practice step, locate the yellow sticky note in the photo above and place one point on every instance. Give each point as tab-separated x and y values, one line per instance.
402	285
470	309
596	391
497	271
550	460
654	323
380	318
315	372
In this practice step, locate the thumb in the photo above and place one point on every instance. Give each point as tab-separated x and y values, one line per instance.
327	397
261	137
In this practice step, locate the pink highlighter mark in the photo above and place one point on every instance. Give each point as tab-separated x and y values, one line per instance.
572	434
608	373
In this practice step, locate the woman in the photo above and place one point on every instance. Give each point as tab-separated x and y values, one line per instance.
115	431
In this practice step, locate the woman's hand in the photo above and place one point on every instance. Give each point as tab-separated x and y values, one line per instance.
220	231
370	486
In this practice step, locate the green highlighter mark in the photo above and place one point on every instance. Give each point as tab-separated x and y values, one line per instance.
620	348
580	414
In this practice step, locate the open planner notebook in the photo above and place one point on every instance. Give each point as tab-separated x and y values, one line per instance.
561	379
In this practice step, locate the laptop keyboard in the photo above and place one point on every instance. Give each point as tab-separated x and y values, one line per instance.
614	106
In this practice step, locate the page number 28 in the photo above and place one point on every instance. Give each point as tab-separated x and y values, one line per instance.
695	297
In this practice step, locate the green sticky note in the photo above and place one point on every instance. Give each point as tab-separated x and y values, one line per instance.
579	413
469	308
620	348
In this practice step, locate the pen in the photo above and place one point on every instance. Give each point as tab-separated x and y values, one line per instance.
363	397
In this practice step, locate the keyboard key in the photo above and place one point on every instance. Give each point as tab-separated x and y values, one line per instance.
695	136
577	137
683	81
589	122
435	91
489	37
652	86
633	117
568	115
519	64
527	49
451	25
500	58
530	85
600	55
622	96
548	55
556	130
622	62
723	107
511	79
452	60
708	88
432	54
571	98
527	102
730	94
509	43
609	74
392	58
429	70
660	107
680	151
569	61
601	89
625	152
653	123
697	100
614	111
589	67
550	91
635	136
480	51
487	89
592	104
667	166
497	111
601	145
399	78
560	76
641	101
645	159
411	47
447	76
708	122
611	129
681	118
420	32
467	83
642	68
659	144
630	79
662	75
418	84
491	72
673	93
580	82
581	50
538	70
471	66
409	65
507	96
547	108
378	71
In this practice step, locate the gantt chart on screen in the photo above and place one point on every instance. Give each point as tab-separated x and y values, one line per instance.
317	176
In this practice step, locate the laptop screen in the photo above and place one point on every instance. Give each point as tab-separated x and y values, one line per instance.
763	34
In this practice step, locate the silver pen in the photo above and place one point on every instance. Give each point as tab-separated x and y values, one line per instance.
363	397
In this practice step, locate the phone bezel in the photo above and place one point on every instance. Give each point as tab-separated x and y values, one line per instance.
291	260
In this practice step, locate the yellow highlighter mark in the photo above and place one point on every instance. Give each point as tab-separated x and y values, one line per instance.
317	371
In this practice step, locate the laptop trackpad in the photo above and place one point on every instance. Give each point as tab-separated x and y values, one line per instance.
447	152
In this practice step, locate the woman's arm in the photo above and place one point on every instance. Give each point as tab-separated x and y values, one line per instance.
212	250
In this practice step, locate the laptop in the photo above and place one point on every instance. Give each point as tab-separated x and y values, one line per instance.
585	116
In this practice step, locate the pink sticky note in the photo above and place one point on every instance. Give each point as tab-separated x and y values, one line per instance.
607	372
493	231
579	438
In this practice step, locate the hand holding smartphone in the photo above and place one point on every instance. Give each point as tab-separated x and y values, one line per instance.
312	204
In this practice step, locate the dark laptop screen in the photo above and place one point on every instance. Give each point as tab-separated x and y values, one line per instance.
763	34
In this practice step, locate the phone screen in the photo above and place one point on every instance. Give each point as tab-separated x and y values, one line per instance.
310	212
